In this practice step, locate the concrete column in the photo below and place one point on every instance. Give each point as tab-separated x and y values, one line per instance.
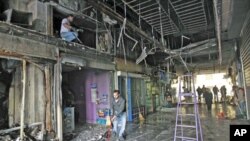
49	19
116	80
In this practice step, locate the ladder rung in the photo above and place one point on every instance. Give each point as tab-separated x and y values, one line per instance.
187	75
187	94
187	126
186	114
188	138
184	103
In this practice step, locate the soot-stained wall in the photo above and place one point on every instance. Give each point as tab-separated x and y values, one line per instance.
35	96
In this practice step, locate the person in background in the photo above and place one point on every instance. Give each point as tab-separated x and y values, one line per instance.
239	98
66	31
223	91
208	98
215	91
199	91
119	115
185	90
203	91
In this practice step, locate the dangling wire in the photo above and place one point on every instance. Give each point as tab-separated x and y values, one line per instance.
142	44
162	38
124	51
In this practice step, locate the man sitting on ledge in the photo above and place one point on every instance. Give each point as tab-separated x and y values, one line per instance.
67	32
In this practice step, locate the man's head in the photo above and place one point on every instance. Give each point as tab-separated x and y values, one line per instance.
241	91
70	17
116	94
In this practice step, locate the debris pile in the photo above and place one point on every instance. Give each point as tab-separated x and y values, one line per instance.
30	134
96	133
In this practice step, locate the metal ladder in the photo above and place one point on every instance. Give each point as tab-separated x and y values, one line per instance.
181	128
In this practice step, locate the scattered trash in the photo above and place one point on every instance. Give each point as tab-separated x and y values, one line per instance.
97	133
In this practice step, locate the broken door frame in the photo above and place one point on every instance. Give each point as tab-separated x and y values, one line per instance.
128	89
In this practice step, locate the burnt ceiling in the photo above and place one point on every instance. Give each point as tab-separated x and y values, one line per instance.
193	19
182	23
172	18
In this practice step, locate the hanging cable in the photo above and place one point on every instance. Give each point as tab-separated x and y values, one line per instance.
124	51
162	38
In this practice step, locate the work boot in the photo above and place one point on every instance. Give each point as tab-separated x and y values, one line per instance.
113	135
121	138
75	41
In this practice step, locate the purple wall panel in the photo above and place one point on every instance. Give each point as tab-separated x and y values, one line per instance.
80	82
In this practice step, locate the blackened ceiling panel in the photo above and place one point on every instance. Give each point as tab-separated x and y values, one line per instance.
152	12
191	13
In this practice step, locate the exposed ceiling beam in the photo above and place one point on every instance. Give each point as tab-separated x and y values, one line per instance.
105	9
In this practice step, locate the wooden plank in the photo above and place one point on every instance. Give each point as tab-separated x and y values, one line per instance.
23	101
48	122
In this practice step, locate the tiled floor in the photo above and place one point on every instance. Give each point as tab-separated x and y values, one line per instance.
160	126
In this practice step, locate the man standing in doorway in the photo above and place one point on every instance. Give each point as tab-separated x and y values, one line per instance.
67	32
203	91
223	92
119	115
215	91
199	91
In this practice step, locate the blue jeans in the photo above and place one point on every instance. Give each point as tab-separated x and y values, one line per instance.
242	105
69	36
120	120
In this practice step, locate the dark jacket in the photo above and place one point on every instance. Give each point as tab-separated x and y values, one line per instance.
199	91
215	90
208	97
118	107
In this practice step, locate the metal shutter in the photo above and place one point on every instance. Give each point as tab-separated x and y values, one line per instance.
245	49
245	57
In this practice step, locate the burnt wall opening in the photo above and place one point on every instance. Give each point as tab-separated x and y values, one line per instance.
73	95
3	7
7	67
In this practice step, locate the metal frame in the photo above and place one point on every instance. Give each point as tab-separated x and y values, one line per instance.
155	23
146	7
152	14
157	19
193	15
130	2
194	18
190	12
187	6
194	23
184	4
177	1
190	9
156	8
141	3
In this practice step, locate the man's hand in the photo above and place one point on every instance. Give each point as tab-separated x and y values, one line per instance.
113	118
79	30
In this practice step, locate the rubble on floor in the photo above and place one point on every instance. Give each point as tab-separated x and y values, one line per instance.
91	133
30	134
160	126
